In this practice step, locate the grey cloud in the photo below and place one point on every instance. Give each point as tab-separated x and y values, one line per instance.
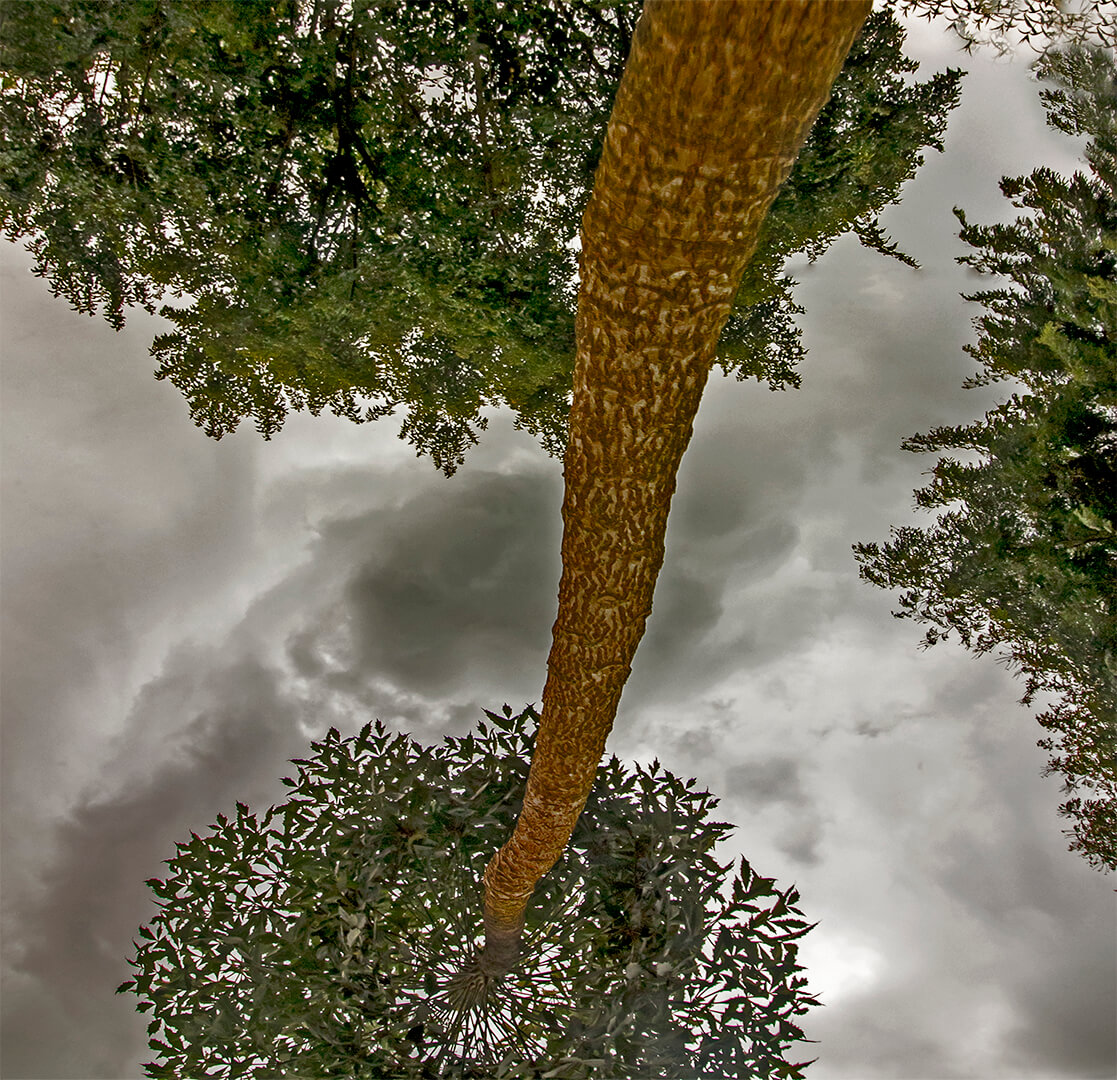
715	495
761	783
751	553
304	655
685	607
978	680
878	1045
1066	1026
417	601
214	719
1008	874
1015	973
766	795
682	653
801	839
872	730
459	580
455	578
736	472
1031	1015
200	737
116	513
774	784
776	626
711	508
219	724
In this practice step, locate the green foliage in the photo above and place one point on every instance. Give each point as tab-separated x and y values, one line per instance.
364	201
371	206
318	939
1022	558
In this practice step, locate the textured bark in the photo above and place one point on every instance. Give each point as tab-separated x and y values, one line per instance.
716	100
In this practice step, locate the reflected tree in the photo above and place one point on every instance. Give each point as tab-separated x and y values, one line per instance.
372	207
406	225
321	939
716	102
1021	560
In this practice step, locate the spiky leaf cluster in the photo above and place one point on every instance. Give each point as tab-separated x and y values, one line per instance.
369	207
328	936
1022	559
1037	24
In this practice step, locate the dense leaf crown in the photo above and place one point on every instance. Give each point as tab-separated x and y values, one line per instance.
1022	559
317	940
371	206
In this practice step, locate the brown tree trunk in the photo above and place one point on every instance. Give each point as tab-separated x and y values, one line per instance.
716	100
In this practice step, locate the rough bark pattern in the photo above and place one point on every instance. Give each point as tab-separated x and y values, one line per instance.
716	100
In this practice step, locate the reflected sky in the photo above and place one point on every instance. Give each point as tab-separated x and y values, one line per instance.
180	616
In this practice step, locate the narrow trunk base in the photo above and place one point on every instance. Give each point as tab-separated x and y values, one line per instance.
502	948
499	956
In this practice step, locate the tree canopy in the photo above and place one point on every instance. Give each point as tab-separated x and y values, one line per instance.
320	938
372	207
1022	558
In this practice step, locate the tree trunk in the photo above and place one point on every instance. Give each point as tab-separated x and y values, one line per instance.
716	100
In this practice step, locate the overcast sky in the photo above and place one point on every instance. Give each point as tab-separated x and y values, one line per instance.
181	616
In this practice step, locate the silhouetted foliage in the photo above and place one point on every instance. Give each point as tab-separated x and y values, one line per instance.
1022	559
321	939
373	206
1003	24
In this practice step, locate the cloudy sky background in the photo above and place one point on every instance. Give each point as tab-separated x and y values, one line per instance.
181	616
